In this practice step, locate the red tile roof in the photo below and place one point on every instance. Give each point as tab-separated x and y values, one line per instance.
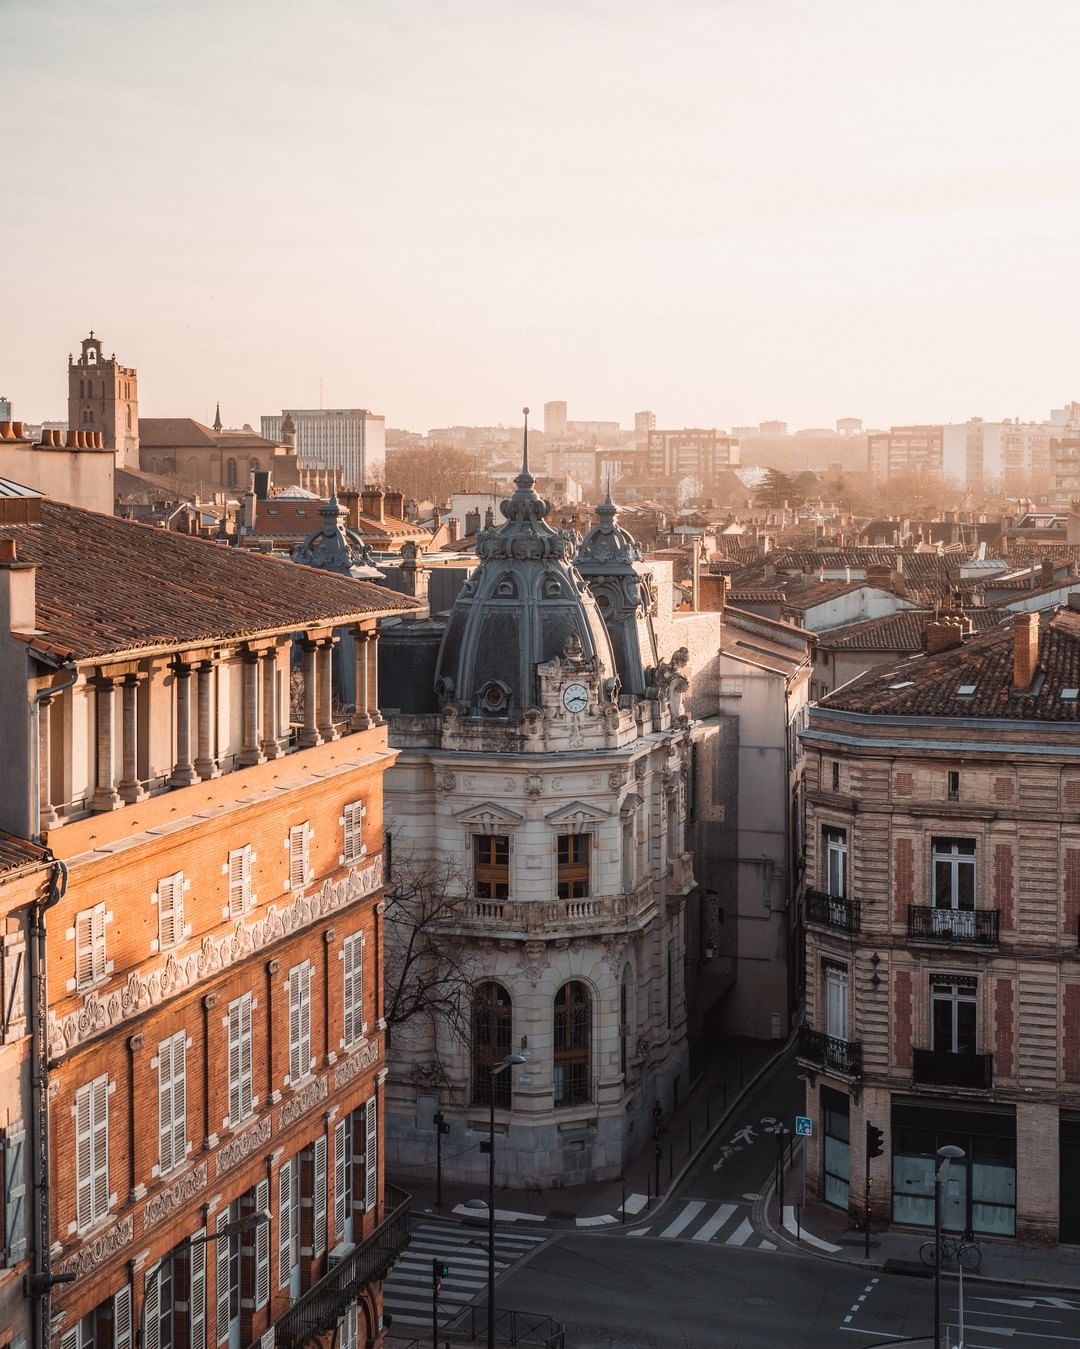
106	586
18	852
902	631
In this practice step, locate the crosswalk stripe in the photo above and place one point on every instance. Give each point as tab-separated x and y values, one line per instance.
709	1229
635	1203
685	1218
741	1235
639	1232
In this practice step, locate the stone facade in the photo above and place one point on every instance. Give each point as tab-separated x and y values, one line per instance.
103	395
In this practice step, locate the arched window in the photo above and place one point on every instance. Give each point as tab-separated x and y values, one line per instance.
573	1021
230	472
493	1029
129	419
82	388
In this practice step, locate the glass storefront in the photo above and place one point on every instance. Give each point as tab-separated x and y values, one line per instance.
836	1134
979	1194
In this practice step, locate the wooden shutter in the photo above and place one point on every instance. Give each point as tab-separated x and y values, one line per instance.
121	1312
371	1158
262	1247
239	1059
222	1278
14	1195
84	1159
245	1055
234	1062
151	1312
166	1154
197	1290
306	1064
354	831
84	949
170	910
12	986
70	1338
297	856
353	960
296	1071
239	881
179	1097
341	1209
99	1099
318	1206
285	1223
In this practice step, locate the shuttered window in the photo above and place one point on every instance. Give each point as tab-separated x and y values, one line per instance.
240	881
14	1175
151	1309
92	1152
12	986
90	947
223	1280
197	1290
353	825
240	1102
371	1158
288	1220
298	856
172	1101
170	893
352	956
262	1246
300	1062
342	1178
121	1310
318	1198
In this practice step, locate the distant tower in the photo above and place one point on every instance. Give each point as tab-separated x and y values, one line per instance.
217	418
554	419
104	396
644	422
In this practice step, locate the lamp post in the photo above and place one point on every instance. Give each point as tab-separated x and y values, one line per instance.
948	1153
511	1061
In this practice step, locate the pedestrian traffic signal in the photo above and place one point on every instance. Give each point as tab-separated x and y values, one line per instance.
439	1271
875	1140
439	1120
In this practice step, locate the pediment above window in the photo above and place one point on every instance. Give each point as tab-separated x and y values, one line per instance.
577	812
630	804
489	818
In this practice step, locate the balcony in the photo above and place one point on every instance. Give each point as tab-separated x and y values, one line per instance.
842	915
680	877
843	1057
325	1303
937	1068
964	927
554	917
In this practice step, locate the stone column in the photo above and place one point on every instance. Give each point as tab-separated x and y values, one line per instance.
250	752
131	789
105	797
183	774
49	817
309	734
374	714
206	762
360	720
326	689
271	745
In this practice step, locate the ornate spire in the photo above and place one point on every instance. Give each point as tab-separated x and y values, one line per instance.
526	534
217	418
607	543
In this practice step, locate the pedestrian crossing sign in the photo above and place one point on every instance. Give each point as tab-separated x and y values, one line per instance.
804	1126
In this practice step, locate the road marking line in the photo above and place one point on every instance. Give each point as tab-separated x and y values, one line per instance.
804	1235
639	1232
877	1334
741	1235
766	1246
635	1203
709	1229
596	1222
685	1218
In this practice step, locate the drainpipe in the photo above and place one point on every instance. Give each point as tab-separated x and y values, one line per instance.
71	675
40	1280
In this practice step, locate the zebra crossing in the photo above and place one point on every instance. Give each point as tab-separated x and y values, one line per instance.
701	1220
407	1290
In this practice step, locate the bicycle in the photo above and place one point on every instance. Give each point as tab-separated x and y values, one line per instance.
965	1250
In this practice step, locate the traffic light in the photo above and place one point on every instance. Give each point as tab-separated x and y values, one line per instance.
875	1140
439	1120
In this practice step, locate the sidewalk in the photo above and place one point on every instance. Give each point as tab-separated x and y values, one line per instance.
825	1232
735	1067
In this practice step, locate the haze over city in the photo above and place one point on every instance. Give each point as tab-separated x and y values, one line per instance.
722	211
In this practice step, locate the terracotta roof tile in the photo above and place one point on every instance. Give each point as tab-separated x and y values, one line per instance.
106	585
18	852
902	631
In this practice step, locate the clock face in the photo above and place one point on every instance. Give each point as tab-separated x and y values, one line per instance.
575	697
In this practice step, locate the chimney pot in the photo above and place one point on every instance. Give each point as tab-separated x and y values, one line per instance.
1025	649
8	552
17	430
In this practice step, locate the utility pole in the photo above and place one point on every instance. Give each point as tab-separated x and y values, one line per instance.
441	1127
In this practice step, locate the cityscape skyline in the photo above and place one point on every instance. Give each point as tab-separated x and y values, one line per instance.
586	202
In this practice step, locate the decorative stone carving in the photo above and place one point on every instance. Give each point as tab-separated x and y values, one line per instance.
144	989
302	1102
534	960
237	1149
359	1063
446	781
534	784
104	1245
174	1196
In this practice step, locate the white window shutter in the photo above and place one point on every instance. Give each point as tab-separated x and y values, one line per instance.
197	1291
285	1223
239	880
170	910
296	1071
353	821
97	924
298	856
166	1155
99	1107
262	1246
341	1209
245	1054
234	1063
14	1195
84	1159
353	1015
151	1313
179	1097
121	1311
318	1212
12	985
70	1338
305	1018
221	1329
371	1158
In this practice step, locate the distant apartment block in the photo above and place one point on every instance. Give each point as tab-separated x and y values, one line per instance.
849	426
693	453
5	409
644	422
1015	454
905	449
350	439
555	419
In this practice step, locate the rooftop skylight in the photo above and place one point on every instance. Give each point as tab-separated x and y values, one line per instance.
965	690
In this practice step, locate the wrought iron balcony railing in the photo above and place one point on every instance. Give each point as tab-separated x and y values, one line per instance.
825	1051
325	1303
845	915
971	927
938	1068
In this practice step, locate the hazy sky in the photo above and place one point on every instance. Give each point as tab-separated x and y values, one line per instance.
723	211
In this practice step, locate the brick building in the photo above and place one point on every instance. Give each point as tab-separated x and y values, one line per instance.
942	966
214	1029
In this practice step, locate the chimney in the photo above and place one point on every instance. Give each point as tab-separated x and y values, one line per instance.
695	574
1046	570
18	590
349	500
943	634
394	505
452	529
712	592
248	518
1025	649
373	503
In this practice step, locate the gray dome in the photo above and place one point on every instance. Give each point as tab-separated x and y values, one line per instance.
524	605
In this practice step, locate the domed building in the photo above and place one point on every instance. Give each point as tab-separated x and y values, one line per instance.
538	818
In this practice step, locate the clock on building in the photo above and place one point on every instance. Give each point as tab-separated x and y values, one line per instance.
575	697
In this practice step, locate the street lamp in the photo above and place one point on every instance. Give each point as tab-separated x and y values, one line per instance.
511	1061
948	1153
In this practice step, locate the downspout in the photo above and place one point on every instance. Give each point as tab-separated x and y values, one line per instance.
41	1279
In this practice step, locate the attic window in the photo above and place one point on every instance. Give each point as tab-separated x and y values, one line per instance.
1069	695
965	690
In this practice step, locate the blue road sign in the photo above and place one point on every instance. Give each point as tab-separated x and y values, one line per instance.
804	1125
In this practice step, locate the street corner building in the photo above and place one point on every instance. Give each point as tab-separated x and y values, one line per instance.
191	884
942	910
542	742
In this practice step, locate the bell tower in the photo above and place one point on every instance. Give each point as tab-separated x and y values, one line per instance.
104	396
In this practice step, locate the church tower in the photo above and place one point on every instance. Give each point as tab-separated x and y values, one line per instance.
104	396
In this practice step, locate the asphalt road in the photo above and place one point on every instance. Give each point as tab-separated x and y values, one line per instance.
649	1294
